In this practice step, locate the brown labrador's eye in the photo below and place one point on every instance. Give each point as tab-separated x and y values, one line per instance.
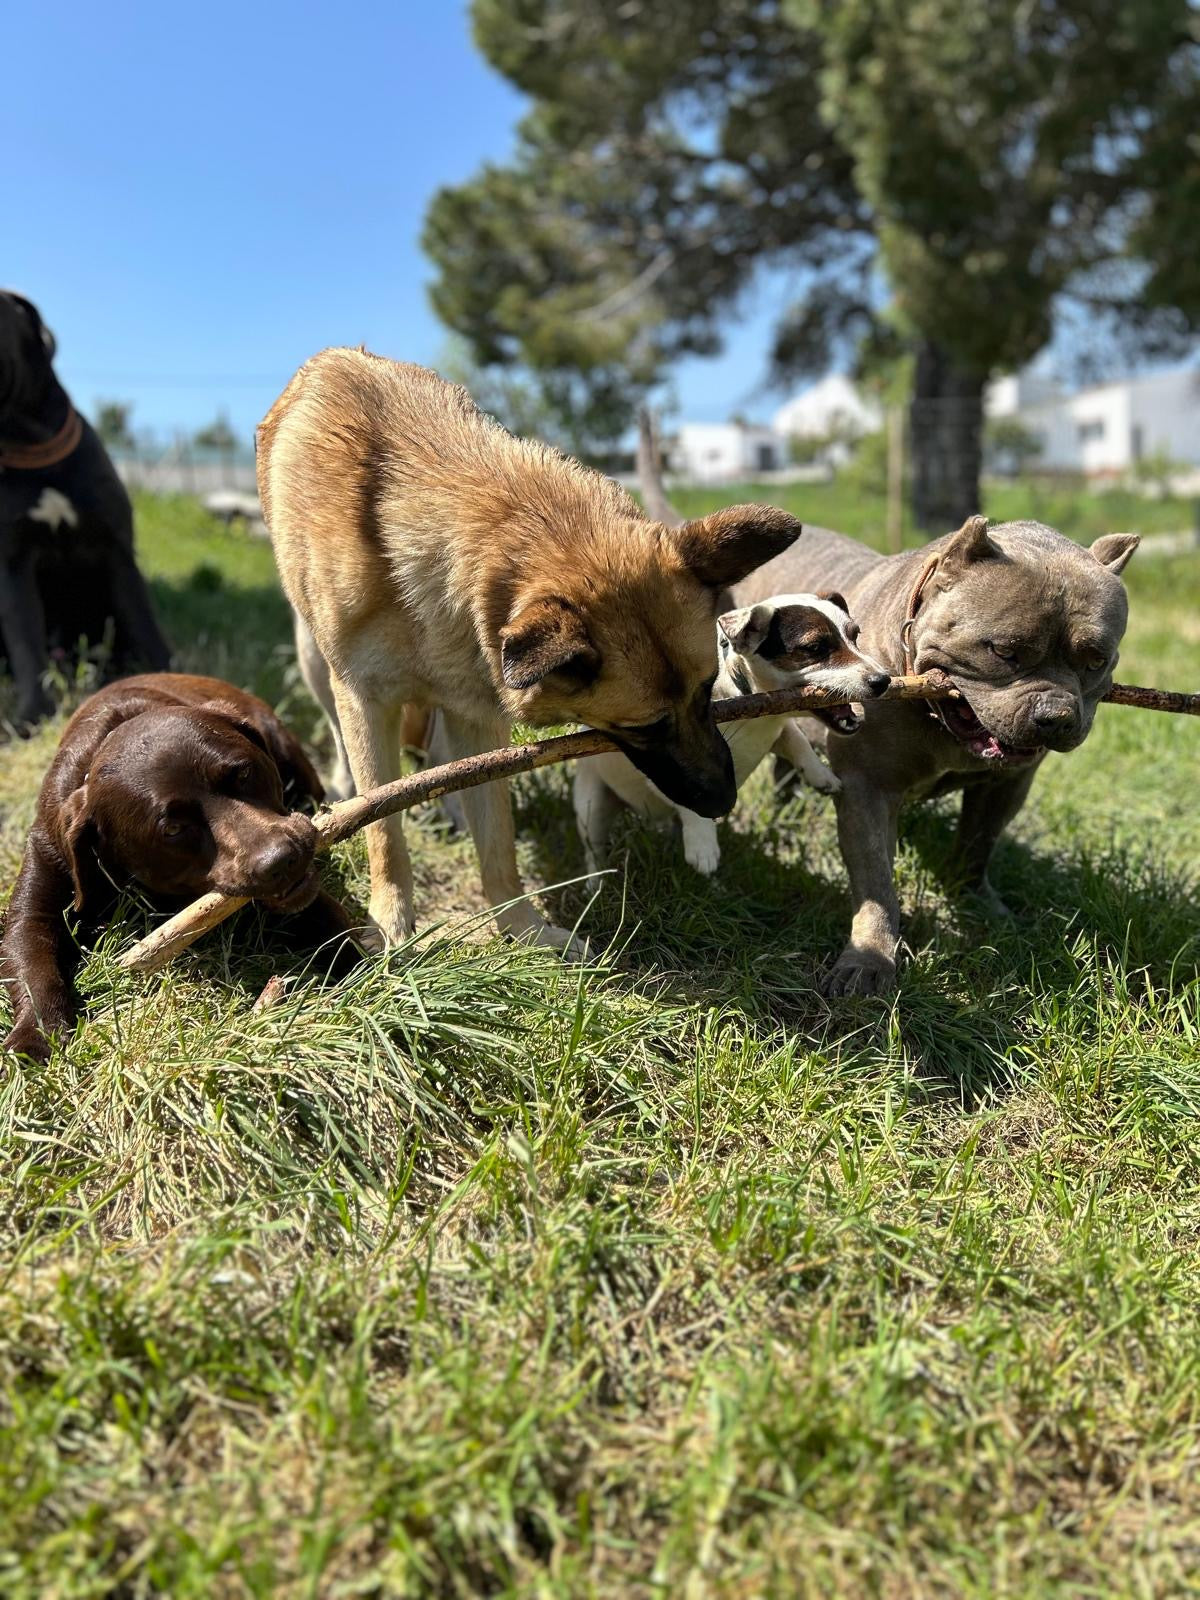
170	829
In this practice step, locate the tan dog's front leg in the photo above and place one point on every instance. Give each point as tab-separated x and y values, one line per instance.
489	817
867	817
372	735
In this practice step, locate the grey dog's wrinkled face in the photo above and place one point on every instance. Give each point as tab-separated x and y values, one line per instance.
1027	624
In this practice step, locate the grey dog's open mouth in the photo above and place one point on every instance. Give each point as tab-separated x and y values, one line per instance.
845	719
962	723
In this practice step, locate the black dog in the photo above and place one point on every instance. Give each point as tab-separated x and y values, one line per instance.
66	526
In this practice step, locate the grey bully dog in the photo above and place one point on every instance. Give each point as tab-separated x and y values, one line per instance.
1027	625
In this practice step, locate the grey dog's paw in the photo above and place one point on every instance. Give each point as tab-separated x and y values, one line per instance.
984	902
859	972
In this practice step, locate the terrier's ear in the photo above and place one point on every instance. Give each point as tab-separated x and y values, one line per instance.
835	598
1113	550
546	636
723	547
746	628
969	544
79	844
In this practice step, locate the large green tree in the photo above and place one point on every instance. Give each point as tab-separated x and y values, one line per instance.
933	176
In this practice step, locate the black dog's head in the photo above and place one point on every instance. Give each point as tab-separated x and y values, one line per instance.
26	355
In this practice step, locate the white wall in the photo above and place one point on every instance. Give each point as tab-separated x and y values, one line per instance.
723	452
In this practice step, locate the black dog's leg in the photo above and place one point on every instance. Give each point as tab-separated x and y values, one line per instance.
138	638
988	806
37	955
23	624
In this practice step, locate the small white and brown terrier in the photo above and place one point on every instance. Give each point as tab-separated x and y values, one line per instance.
786	642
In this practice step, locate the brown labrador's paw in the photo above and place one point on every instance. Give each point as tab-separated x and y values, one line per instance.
860	972
27	1039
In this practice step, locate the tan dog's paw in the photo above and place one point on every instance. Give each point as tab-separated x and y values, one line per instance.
860	972
389	922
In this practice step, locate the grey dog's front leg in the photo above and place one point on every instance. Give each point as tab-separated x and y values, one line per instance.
987	809
867	817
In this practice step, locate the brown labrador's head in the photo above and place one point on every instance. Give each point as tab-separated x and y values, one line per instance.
628	646
186	801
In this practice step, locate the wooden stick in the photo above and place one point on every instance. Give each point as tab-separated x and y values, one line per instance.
349	816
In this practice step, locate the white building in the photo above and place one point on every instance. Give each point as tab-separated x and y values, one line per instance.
725	452
1104	431
830	408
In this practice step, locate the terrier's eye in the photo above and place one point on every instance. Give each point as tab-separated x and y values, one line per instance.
1009	657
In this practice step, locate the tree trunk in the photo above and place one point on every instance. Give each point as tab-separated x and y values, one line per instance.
946	418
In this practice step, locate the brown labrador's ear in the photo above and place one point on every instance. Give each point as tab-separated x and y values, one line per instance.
723	547
263	728
546	636
78	837
835	598
1113	550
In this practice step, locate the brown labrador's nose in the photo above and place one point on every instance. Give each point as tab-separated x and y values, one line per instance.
279	862
877	682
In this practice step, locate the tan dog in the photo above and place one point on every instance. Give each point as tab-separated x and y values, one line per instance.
436	561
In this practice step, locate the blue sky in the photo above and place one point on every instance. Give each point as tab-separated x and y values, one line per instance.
207	195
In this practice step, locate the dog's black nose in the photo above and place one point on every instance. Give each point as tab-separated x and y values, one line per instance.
278	862
877	682
1055	716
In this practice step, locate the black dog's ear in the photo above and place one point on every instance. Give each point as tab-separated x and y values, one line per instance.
79	840
263	728
34	318
1113	550
723	547
546	636
835	599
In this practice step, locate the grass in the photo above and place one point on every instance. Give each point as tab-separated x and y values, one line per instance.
482	1274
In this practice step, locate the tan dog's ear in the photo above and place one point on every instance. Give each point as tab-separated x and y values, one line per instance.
79	843
723	547
970	543
546	636
1113	550
746	628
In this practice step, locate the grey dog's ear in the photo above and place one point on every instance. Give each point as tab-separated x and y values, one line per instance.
1113	550
545	636
969	544
746	628
724	546
79	843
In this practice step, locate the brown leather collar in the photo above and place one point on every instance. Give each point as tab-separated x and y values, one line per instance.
29	457
914	605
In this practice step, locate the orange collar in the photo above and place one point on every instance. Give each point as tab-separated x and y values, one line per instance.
914	605
29	457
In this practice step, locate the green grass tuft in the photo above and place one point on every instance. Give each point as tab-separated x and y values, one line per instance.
482	1274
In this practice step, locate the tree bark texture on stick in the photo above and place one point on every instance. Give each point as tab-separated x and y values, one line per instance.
350	816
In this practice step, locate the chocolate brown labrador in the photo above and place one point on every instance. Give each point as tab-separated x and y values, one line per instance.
175	783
